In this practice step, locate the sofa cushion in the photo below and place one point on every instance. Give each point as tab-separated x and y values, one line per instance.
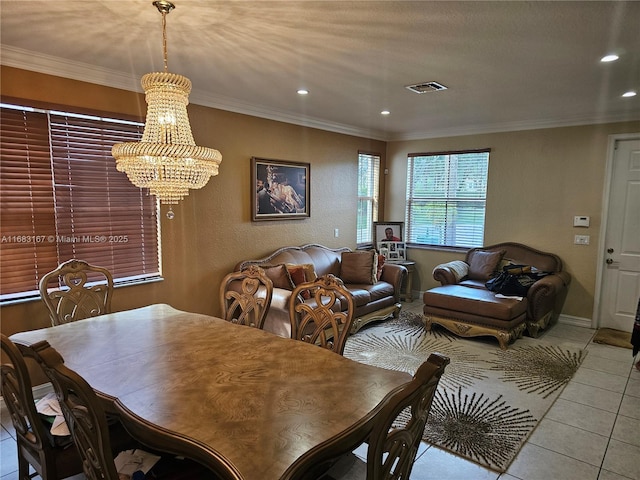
279	275
483	264
457	299
374	292
360	296
359	267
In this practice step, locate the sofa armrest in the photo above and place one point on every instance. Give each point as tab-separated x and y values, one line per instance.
451	272
394	274
543	295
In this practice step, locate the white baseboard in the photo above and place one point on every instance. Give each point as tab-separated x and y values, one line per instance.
575	321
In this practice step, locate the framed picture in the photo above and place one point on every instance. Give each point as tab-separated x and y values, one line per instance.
279	189
387	232
393	251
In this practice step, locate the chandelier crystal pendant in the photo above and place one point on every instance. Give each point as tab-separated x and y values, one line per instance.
167	160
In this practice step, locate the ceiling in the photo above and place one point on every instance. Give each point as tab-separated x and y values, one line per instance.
508	65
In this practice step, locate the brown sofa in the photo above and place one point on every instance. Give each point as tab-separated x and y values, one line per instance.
463	304
375	300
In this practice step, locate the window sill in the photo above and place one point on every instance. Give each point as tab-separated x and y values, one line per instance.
127	283
438	248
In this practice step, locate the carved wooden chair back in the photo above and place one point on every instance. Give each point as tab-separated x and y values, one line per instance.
325	319
82	411
246	296
35	446
73	299
392	448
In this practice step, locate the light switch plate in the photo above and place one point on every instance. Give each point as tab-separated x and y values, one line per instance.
581	239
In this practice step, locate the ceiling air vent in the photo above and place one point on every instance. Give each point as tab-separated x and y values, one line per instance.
426	87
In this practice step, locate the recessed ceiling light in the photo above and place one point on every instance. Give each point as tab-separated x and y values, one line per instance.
303	91
610	58
630	93
385	112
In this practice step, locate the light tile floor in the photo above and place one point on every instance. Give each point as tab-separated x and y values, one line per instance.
592	432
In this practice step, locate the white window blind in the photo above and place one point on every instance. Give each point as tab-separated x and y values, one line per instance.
368	193
63	198
446	198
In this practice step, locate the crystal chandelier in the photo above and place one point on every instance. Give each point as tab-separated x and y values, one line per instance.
167	160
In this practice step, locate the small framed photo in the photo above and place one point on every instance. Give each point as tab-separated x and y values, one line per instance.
393	251
387	232
279	189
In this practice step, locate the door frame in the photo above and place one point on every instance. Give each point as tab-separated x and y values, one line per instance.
611	151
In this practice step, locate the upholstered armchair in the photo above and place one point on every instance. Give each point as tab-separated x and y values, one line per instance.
545	297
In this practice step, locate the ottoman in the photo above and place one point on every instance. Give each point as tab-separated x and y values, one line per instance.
472	312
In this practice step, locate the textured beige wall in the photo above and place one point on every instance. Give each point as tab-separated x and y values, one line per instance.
212	229
538	181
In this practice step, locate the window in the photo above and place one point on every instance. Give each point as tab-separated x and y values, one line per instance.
63	198
446	198
368	192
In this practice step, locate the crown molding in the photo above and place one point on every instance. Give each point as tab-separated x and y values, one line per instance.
517	126
51	65
60	67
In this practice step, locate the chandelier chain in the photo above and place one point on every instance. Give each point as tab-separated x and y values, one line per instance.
164	40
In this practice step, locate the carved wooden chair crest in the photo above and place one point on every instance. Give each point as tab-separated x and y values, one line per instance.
323	319
392	449
35	447
76	300
245	296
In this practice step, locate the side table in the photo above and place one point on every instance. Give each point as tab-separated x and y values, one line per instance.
406	293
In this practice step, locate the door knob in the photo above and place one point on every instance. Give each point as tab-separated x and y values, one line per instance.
609	261
609	250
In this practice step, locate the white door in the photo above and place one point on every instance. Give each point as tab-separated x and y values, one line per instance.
621	268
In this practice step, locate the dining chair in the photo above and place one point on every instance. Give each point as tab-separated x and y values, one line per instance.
85	417
245	296
398	428
77	295
325	319
36	446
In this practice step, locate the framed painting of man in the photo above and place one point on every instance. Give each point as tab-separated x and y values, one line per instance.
387	232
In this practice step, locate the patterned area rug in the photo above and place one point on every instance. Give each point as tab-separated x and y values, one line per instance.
489	400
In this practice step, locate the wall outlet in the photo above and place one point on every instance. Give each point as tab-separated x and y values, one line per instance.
581	239
336	232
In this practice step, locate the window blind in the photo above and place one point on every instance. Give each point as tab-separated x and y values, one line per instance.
446	198
27	218
85	208
368	196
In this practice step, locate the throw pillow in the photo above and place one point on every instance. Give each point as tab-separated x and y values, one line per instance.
309	270
381	260
301	274
359	267
483	264
279	275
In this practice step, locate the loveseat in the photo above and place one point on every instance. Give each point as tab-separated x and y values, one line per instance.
464	305
375	289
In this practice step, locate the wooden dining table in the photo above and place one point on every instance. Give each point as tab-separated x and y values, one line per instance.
243	402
